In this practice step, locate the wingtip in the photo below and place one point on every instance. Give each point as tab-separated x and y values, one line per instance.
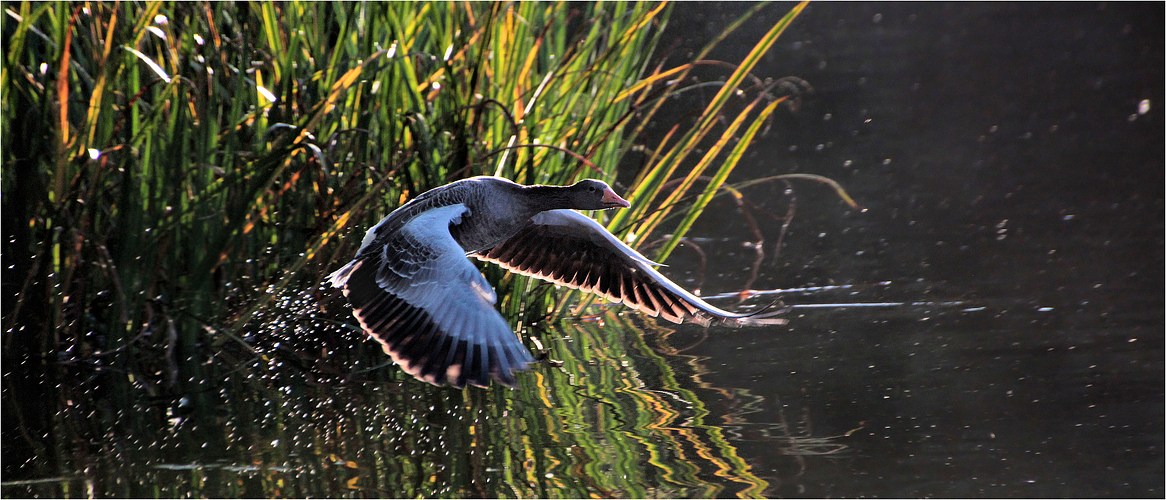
760	321
763	316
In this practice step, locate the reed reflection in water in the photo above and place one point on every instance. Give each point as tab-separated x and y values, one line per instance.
617	410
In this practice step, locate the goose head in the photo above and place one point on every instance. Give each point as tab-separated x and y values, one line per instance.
592	194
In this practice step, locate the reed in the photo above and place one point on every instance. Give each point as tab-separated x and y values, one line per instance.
170	165
170	169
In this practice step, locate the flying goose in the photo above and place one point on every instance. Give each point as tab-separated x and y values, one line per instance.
413	289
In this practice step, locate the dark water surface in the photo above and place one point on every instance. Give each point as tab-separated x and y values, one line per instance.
1001	154
991	325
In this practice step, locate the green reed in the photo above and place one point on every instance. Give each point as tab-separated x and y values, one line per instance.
169	165
169	160
170	169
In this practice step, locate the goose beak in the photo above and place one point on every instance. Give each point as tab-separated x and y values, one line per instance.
612	200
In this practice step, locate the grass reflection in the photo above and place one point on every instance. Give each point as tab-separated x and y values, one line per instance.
619	414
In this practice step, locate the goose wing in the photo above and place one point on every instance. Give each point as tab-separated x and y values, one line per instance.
570	249
415	292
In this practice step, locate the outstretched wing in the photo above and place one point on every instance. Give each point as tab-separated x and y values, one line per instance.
429	307
570	249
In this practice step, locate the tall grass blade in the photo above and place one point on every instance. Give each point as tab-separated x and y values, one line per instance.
171	209
719	178
654	180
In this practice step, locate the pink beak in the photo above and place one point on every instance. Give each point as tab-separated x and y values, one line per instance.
612	200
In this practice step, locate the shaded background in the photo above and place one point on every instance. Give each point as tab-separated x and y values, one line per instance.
1013	175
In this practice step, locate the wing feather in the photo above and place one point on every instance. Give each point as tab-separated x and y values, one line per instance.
429	307
570	249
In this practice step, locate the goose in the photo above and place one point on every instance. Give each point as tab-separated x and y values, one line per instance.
413	289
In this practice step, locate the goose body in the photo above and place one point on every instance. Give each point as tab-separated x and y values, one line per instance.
413	289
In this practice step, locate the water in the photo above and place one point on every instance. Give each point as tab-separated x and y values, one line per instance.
1007	165
991	325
